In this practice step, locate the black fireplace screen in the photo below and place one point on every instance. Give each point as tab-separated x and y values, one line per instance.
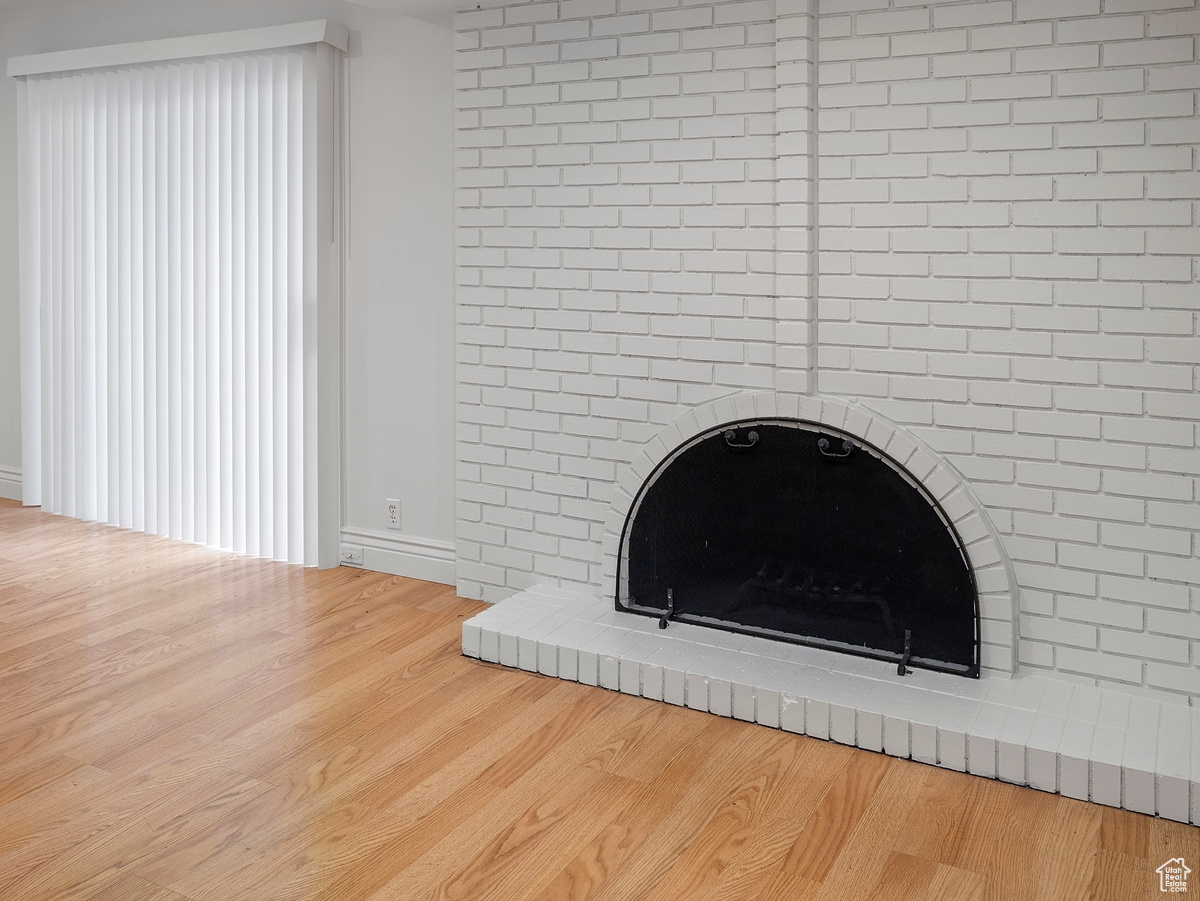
795	531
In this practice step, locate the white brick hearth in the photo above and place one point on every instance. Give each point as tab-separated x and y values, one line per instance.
1083	742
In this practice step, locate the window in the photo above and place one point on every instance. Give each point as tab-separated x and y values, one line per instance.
180	288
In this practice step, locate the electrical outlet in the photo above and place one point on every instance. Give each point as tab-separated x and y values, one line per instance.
352	553
393	513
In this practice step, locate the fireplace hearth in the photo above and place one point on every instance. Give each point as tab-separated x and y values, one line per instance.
790	530
1083	741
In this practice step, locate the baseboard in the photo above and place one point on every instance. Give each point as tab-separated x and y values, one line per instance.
10	483
403	555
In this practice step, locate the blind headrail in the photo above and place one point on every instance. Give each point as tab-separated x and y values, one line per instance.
246	41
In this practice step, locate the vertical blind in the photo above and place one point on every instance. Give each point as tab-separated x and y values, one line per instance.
163	242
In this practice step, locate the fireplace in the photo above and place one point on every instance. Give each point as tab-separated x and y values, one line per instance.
790	530
1082	741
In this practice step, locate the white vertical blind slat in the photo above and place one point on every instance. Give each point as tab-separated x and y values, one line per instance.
163	241
138	242
177	493
54	280
149	299
98	280
188	427
112	129
84	307
237	199
226	309
295	309
266	289
75	260
68	309
165	301
29	277
50	301
250	288
279	312
214	490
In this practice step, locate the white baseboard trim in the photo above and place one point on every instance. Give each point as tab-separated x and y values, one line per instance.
403	555
10	483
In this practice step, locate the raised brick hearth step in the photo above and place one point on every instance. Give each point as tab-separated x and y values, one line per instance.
1103	745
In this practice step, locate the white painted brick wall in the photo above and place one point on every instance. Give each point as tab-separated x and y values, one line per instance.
1023	192
1000	196
616	252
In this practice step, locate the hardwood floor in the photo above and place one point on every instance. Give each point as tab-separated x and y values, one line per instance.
177	723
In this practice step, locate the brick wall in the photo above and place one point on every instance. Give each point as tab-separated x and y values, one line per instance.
1008	212
616	231
1006	209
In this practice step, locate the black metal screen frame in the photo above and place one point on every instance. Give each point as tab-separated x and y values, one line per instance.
623	604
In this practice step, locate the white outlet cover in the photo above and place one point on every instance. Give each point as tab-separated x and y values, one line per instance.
393	522
352	553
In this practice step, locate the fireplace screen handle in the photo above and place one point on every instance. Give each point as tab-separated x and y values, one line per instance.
731	440
823	447
904	669
666	617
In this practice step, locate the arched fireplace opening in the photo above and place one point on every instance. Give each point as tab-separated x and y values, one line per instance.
797	531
